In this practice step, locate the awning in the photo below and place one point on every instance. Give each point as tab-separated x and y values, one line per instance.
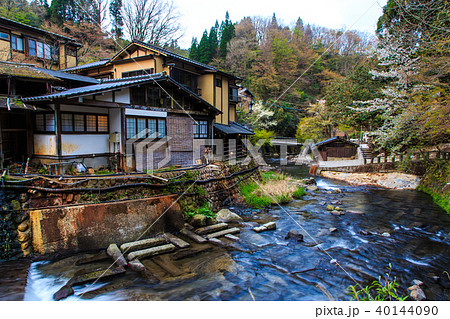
233	128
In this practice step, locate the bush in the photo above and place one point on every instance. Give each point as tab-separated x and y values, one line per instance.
378	291
299	193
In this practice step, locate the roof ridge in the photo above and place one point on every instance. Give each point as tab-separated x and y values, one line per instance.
137	77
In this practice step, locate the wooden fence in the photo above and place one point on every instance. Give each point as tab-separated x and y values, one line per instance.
401	157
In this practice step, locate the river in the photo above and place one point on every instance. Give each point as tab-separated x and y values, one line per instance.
268	267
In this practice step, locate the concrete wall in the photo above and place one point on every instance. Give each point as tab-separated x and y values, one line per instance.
74	144
95	226
44	144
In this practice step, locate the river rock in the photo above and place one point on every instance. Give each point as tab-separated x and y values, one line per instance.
332	229
267	226
330	207
386	234
355	212
309	181
337	213
292	234
338	208
226	216
417	282
198	220
312	188
63	293
416	293
23	226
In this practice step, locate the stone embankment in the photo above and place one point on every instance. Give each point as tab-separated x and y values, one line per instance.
384	180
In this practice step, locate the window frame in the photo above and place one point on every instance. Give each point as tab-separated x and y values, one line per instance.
14	42
219	83
137	135
85	125
8	36
45	130
200	123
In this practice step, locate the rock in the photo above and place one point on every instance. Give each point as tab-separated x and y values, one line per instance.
24	245
355	212
332	229
333	261
417	282
23	197
386	234
336	213
198	220
24	236
336	202
322	203
69	197
90	171
309	181
23	226
226	216
338	208
292	234
224	232
114	252
312	188
16	205
28	251
136	266
416	293
63	293
330	207
418	225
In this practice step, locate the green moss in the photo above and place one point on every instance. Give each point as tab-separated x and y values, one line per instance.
434	182
441	200
299	193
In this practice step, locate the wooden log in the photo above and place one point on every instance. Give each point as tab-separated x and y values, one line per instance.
219	243
231	237
267	226
114	252
221	233
193	236
151	251
95	275
142	244
165	263
211	229
191	252
180	243
97	257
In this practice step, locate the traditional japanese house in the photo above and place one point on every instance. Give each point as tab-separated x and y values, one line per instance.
337	148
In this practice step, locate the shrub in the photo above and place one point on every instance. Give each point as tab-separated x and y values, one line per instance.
378	290
299	193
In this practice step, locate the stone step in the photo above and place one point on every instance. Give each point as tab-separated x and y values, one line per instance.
142	244
219	243
193	236
221	233
180	243
231	237
267	226
151	251
211	229
165	263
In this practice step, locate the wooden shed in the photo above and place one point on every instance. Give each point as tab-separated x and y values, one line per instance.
337	148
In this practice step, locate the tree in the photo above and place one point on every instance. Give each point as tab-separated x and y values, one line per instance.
317	125
115	10
152	21
204	49
226	34
193	51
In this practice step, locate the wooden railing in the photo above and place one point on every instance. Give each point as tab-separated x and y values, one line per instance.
400	157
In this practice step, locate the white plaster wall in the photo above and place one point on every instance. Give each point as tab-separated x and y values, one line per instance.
107	96
84	144
145	113
122	96
115	126
44	144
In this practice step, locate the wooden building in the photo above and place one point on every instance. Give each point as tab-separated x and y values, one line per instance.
337	148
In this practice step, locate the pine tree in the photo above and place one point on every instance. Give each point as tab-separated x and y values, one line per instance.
227	33
213	42
204	49
115	10
193	51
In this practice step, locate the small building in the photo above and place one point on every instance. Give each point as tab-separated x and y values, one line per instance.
26	44
245	100
337	148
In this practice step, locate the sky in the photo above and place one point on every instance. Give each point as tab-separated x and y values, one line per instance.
198	15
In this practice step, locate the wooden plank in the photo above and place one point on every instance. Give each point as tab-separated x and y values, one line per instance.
97	257
180	243
142	244
151	251
165	263
221	233
231	237
191	252
92	276
211	229
193	236
267	226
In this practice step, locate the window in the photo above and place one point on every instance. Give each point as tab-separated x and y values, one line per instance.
188	80
149	96
45	122
71	51
219	83
201	129
47	51
145	127
84	123
55	53
32	47
40	49
234	97
137	73
16	43
4	36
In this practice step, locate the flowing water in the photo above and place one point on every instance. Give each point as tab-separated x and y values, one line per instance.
269	267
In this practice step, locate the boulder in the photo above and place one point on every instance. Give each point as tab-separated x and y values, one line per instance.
63	293
292	234
226	216
416	293
198	220
330	207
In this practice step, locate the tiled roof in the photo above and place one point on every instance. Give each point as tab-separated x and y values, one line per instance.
335	139
92	89
24	71
29	27
87	65
68	76
233	128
